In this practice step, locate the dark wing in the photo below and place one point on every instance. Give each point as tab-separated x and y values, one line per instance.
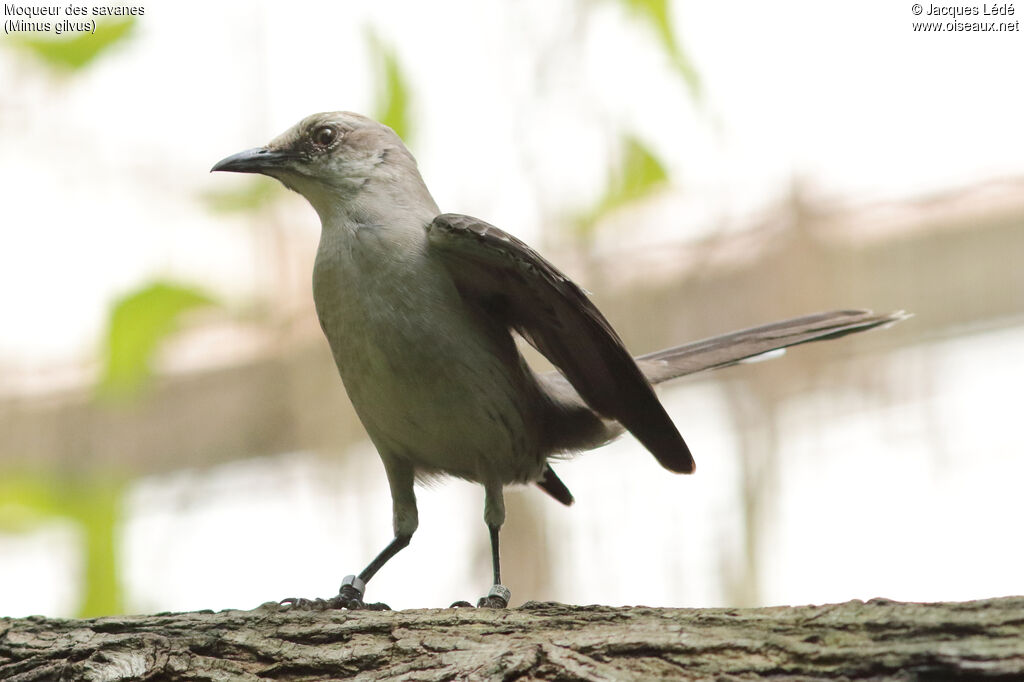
511	280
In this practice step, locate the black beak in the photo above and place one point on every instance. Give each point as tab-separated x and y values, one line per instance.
258	160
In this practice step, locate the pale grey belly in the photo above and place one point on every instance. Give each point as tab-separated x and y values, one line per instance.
435	389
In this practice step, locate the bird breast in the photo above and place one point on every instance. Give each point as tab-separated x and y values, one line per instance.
432	382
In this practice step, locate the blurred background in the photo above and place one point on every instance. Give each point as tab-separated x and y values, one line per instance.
173	433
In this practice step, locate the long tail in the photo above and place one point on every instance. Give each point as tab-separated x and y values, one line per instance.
588	430
729	349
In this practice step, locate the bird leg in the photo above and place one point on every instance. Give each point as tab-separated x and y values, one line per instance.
494	516
406	519
350	595
498	596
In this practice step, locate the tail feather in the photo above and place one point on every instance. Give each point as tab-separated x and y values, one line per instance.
728	349
588	430
553	486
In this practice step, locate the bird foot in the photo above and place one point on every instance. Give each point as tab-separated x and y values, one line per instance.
350	597
318	604
331	604
497	598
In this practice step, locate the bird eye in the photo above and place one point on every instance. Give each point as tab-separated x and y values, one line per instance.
324	136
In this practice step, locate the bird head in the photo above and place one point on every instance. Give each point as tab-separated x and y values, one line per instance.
333	159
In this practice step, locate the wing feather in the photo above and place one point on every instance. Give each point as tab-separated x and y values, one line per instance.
533	297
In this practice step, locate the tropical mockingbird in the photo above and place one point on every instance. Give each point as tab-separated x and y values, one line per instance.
420	309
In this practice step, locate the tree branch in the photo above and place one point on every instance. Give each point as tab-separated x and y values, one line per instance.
540	641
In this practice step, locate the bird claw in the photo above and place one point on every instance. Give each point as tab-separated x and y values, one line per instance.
491	603
461	605
339	601
303	604
350	596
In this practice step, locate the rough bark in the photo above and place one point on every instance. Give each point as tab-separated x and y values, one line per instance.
880	639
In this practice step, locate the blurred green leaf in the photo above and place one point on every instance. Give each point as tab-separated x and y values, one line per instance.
249	196
138	323
73	54
656	12
638	174
26	501
392	97
96	506
92	502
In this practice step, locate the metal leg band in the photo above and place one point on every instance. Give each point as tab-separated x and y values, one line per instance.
352	587
501	592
